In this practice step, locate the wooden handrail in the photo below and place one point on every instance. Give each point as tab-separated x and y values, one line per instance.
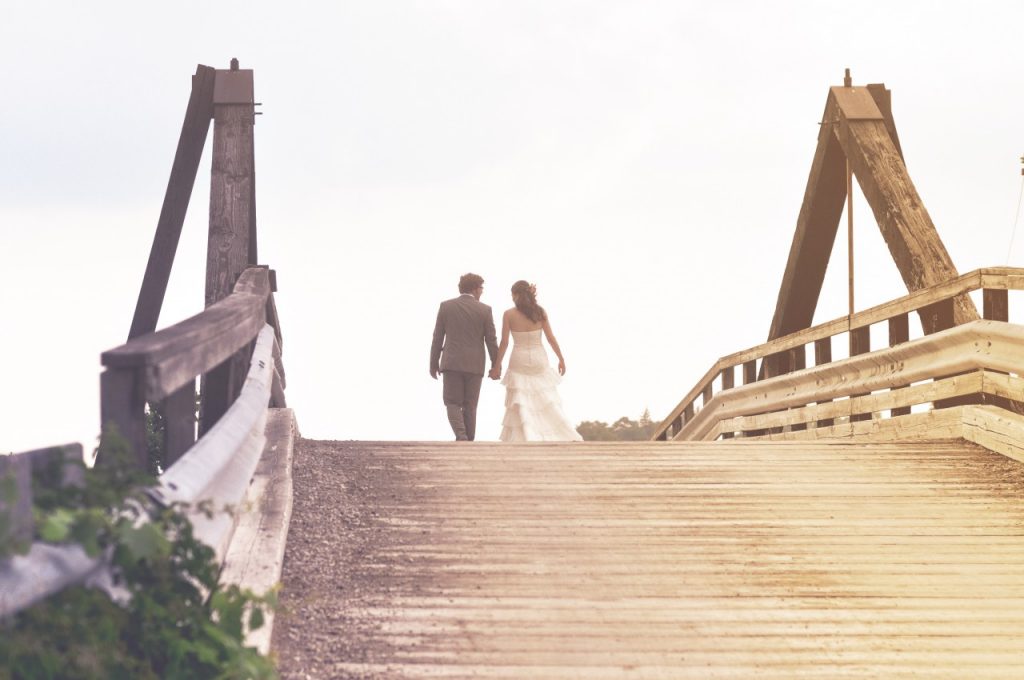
974	346
926	301
174	355
162	366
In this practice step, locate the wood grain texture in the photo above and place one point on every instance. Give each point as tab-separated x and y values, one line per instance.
995	278
232	223
194	131
231	187
907	228
123	406
976	345
180	420
653	560
256	552
172	356
816	228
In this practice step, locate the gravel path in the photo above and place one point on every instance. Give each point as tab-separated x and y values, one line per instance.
334	531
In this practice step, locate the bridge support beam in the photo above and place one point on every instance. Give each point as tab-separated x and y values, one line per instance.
231	246
858	125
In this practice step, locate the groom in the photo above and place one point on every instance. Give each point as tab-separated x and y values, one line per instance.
464	325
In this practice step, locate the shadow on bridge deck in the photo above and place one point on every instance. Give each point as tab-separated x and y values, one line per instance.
595	560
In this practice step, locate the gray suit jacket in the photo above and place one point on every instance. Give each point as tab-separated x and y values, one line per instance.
464	325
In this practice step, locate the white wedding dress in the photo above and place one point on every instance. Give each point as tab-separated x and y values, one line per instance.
533	410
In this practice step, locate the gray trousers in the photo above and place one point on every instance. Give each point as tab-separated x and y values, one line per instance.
461	393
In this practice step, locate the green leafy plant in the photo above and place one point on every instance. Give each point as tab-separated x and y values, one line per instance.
177	621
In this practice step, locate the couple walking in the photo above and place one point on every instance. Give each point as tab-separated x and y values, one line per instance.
533	411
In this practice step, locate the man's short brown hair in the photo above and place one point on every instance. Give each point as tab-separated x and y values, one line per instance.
470	282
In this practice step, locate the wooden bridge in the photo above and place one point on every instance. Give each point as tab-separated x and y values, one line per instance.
858	515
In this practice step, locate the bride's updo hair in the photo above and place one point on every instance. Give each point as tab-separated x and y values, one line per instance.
524	294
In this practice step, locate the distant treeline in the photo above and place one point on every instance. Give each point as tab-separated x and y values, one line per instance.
623	429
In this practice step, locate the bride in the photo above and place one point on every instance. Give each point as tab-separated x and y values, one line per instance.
533	411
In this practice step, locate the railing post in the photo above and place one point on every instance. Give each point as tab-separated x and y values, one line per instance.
937	316
123	405
728	382
230	248
179	410
860	343
899	332
996	304
823	355
749	371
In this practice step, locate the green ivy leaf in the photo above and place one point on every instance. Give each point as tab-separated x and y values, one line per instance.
144	542
89	527
256	618
56	526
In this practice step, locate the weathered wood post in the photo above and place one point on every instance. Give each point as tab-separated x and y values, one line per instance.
231	246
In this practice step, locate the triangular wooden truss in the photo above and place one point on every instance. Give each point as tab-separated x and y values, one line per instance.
858	125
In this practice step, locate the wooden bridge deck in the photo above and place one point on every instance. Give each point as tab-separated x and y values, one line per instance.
677	560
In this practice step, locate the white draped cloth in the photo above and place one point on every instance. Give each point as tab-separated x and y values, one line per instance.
533	409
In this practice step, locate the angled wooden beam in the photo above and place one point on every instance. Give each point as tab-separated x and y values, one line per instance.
876	159
815	235
883	100
194	131
907	228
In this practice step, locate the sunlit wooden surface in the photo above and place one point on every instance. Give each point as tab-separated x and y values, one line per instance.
654	560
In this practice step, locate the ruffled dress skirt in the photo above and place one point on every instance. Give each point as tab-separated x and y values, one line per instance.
533	409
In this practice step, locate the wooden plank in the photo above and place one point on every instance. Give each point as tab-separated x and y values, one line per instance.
995	429
749	372
971	383
728	377
255	555
996	277
230	190
228	249
883	312
938	316
789	559
883	99
179	411
979	344
860	343
907	228
53	466
823	355
220	465
122	406
993	277
899	332
16	520
172	356
996	304
816	228
191	141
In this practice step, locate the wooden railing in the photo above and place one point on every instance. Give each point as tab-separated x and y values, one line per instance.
161	368
234	345
979	362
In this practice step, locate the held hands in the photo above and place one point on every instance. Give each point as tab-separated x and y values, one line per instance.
495	372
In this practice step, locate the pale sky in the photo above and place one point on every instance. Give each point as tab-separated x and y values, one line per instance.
642	162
